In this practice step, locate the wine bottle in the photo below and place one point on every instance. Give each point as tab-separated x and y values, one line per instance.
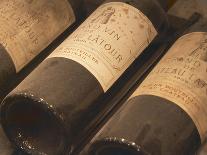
167	114
27	27
56	102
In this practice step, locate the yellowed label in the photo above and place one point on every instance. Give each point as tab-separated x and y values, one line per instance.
109	41
181	77
29	26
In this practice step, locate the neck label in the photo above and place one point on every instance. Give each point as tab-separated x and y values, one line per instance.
108	41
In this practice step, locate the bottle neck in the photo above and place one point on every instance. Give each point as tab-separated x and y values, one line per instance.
199	26
78	8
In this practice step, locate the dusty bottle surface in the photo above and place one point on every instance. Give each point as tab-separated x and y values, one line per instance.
55	103
166	115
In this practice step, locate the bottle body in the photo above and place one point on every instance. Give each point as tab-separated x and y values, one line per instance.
167	113
155	125
64	89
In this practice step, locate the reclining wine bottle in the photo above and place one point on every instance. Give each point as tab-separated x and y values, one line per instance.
27	27
47	112
167	114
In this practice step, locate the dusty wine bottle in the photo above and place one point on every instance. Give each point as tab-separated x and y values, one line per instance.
55	103
167	114
27	27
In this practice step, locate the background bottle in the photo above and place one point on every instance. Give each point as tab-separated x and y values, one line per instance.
27	28
48	111
166	115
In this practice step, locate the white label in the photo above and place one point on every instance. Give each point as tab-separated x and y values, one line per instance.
108	41
29	26
181	77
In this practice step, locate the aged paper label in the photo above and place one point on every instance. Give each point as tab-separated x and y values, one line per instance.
109	41
181	77
29	26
